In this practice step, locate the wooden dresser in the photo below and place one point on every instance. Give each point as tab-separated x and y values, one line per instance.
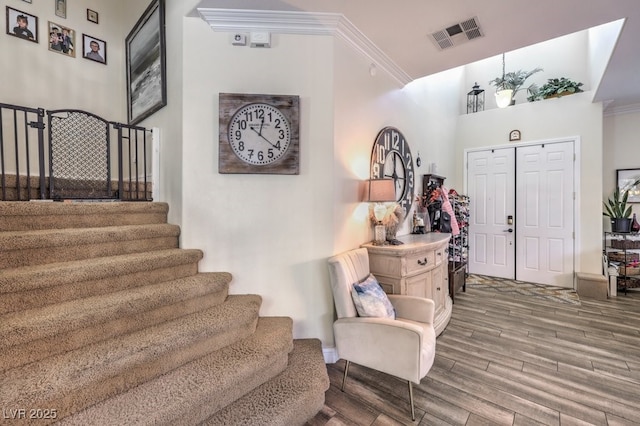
419	267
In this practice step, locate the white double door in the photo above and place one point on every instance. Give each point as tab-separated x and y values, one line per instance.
522	212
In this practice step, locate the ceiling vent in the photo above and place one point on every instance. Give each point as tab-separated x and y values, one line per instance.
457	34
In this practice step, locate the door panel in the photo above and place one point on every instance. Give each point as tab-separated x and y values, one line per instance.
540	249
491	191
544	241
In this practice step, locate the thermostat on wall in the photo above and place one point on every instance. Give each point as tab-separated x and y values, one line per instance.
260	39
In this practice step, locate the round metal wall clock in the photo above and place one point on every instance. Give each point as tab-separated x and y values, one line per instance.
391	158
259	134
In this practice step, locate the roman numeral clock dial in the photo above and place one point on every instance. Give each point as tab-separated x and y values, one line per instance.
391	159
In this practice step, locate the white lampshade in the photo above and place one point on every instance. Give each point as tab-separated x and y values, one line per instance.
503	97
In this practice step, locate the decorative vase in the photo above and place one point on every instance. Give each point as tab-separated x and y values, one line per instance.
621	224
635	226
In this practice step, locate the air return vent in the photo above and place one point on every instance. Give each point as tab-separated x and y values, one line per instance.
457	34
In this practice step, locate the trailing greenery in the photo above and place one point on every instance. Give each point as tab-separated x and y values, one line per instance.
555	87
514	80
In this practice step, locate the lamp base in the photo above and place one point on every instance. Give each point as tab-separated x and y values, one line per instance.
379	234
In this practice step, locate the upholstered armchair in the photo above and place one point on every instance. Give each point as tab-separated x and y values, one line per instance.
403	347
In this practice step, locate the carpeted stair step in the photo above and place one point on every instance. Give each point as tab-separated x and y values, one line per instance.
22	216
35	334
25	248
291	398
72	381
35	286
191	393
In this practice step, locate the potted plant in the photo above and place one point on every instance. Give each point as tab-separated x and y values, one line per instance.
556	87
617	209
514	80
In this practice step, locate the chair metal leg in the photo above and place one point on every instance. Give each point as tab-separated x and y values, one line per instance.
344	378
413	413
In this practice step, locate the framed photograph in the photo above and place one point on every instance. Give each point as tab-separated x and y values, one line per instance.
61	8
626	179
146	64
92	16
22	25
62	39
94	49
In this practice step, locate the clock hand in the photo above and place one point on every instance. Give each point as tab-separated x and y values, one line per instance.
259	134
261	124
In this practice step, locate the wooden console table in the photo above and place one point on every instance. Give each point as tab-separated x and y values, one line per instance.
419	267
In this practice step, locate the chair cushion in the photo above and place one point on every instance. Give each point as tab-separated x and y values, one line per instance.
371	300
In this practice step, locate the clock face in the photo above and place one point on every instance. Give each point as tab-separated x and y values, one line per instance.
391	158
259	134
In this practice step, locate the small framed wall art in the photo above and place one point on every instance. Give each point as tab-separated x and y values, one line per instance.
94	49
92	16
22	25
62	39
514	135
61	8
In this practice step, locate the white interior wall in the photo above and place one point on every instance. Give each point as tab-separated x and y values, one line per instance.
51	80
620	145
272	232
569	116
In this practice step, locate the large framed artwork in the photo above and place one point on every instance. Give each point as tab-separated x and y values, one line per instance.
146	64
625	179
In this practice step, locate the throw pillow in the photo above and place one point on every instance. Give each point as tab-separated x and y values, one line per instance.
371	300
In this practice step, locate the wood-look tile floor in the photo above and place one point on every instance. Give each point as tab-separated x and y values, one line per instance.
510	360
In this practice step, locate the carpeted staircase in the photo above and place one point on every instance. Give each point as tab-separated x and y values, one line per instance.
104	320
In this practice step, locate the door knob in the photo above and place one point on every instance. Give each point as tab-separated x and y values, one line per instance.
508	230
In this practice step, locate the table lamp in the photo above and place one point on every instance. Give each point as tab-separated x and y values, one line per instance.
379	191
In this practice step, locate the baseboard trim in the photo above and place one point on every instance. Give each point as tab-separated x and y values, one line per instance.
330	355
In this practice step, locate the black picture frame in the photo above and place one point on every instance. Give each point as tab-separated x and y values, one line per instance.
30	32
92	16
88	51
624	181
146	64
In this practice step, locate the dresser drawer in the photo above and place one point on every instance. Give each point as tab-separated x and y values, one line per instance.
441	255
420	262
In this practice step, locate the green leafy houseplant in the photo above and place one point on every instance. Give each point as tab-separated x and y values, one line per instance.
555	87
618	210
515	80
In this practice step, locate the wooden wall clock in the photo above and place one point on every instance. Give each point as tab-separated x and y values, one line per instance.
391	158
259	134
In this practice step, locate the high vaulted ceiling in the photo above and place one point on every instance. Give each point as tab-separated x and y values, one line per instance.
402	29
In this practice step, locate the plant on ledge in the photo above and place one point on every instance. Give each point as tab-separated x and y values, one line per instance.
515	80
556	87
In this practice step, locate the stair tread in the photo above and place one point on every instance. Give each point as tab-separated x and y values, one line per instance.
190	393
74	380
293	397
52	274
50	320
20	240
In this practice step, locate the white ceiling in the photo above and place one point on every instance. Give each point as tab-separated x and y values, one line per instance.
401	29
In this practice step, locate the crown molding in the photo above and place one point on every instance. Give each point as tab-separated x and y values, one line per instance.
303	23
622	109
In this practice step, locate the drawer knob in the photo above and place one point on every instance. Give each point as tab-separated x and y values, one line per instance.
438	288
422	262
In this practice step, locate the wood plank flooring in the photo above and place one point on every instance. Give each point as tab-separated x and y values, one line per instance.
510	360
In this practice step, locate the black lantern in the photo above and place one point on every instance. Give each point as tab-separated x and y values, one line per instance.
475	99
